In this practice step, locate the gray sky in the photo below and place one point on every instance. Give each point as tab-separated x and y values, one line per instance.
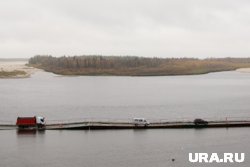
152	28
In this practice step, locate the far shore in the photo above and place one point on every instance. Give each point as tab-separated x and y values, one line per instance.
19	69
246	70
16	69
98	65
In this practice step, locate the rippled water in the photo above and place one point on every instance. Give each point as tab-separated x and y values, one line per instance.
215	95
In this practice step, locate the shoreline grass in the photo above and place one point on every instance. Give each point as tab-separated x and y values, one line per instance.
12	74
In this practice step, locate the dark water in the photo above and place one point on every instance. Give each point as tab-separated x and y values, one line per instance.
215	95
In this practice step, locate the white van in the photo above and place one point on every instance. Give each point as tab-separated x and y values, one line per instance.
140	121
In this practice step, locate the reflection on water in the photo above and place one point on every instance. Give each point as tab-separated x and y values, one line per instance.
31	132
26	132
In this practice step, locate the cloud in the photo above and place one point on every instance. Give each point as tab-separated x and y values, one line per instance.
161	28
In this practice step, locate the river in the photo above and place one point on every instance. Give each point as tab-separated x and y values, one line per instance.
211	96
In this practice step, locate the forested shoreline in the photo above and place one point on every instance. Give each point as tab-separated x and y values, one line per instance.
134	66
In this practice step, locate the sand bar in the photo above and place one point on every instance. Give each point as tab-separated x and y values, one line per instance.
247	70
9	66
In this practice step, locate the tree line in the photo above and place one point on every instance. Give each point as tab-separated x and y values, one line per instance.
132	65
103	62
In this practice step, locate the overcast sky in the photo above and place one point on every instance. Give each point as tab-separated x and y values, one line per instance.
152	28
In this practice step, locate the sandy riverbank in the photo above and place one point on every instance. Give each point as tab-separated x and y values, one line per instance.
22	70
247	70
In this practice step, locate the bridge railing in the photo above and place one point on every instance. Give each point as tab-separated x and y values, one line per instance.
130	120
81	120
209	119
152	120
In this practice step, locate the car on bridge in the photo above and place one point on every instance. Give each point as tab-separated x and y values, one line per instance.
140	121
199	121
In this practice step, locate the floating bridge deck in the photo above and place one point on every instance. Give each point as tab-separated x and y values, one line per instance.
129	124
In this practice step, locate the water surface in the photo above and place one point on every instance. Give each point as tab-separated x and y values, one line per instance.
214	95
224	94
